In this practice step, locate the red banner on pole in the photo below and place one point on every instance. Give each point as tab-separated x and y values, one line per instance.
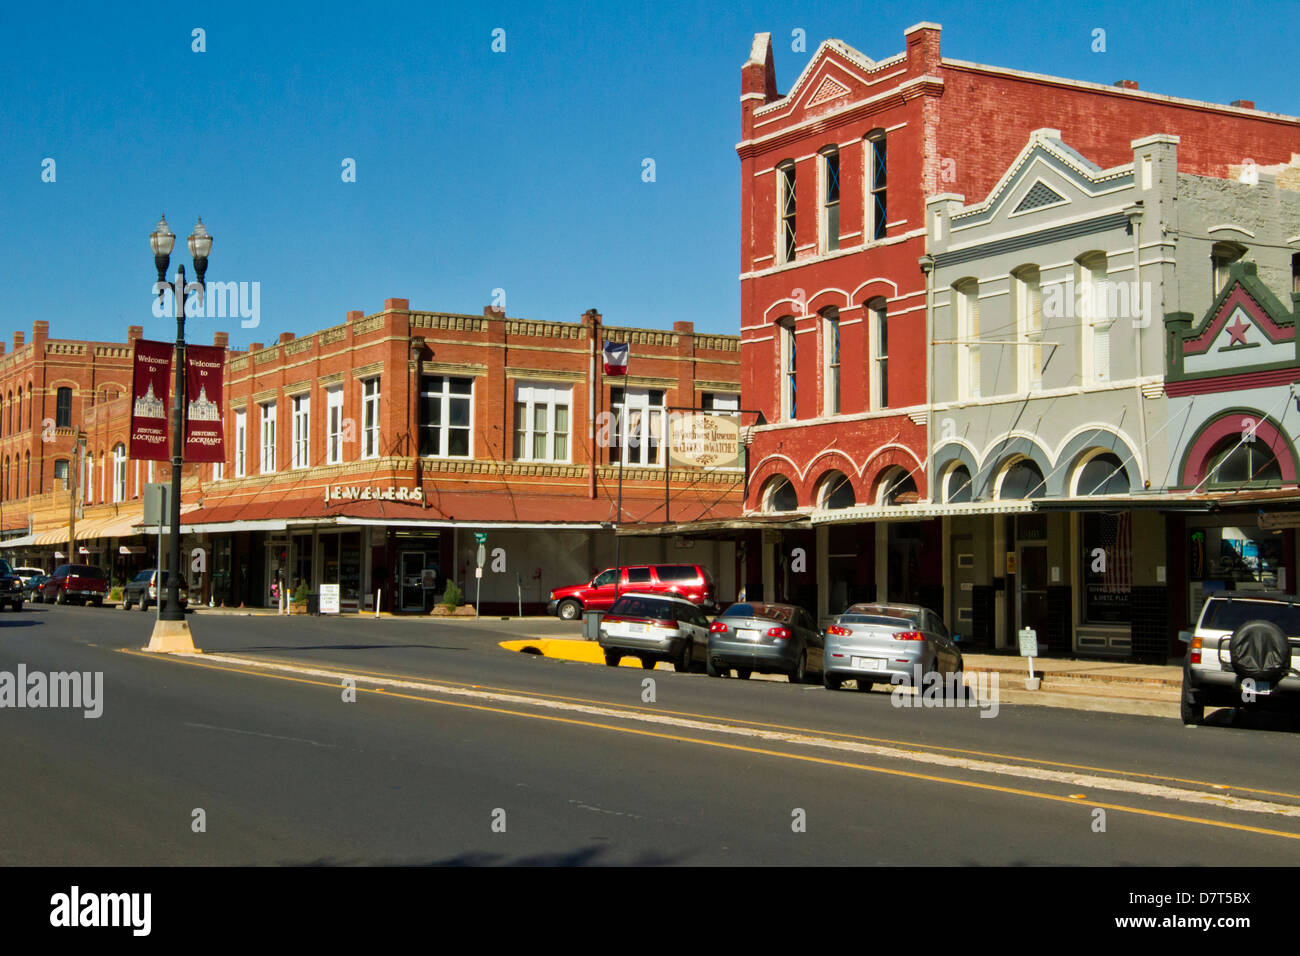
204	436
151	394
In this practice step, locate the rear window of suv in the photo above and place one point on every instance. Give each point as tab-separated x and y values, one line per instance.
677	572
1224	615
643	607
85	571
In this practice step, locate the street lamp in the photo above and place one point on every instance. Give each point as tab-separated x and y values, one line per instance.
171	632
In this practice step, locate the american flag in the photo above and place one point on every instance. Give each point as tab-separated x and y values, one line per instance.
1117	540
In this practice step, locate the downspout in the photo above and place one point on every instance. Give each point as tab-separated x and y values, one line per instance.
1134	214
926	262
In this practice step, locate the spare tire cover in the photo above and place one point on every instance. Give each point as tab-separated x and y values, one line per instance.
1260	651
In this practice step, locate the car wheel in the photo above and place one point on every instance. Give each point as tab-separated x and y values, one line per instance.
612	658
569	610
60	598
648	663
743	673
683	663
144	604
800	673
98	602
865	685
126	603
831	681
717	670
1193	714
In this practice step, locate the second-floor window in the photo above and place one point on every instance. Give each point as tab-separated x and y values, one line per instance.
445	416
268	438
119	473
63	408
786	207
301	431
967	296
334	426
1094	324
831	346
370	418
1029	328
789	373
878	181
830	200
542	423
878	347
638	425
241	445
61	474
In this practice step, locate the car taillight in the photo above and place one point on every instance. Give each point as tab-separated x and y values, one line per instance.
909	636
780	633
717	627
836	631
666	625
1197	644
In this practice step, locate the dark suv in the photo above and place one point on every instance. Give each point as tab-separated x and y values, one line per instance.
690	581
1244	653
11	587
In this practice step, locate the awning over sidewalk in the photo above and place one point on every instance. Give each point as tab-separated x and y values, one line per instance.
920	511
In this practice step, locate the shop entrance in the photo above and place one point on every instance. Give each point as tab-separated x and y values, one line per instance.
1031	585
411	590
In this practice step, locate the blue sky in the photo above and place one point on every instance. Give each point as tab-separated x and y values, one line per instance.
475	170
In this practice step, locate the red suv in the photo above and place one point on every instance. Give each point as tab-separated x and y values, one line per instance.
690	581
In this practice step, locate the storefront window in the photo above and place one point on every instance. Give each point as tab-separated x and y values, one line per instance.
1107	562
1235	555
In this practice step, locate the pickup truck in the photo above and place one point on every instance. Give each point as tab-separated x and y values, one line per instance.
11	587
80	583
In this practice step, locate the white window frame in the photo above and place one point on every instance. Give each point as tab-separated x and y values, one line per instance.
241	445
967	300
832	363
119	473
90	478
1094	323
530	397
334	425
266	460
875	230
787	193
650	422
830	237
444	397
1028	283
301	410
371	409
879	371
788	369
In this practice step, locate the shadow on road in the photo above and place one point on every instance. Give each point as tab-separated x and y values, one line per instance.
586	856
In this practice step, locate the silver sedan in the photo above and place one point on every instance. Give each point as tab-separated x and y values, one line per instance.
877	643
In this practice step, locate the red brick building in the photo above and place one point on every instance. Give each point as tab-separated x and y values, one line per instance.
835	175
365	454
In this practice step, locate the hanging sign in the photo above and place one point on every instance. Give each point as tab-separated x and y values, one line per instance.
150	394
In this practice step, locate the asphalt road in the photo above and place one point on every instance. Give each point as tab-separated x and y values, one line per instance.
455	751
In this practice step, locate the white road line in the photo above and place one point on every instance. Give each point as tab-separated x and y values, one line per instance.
1063	777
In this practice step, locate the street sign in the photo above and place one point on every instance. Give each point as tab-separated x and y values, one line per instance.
482	556
1028	642
156	505
480	537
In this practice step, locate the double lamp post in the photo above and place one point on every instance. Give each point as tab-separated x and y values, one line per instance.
171	633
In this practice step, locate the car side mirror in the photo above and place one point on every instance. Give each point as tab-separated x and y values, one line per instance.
1185	636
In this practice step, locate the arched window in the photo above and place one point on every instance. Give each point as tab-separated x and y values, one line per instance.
1234	462
63	408
27	472
896	487
957	485
90	478
836	491
780	496
1024	479
1222	256
119	473
1103	474
20	408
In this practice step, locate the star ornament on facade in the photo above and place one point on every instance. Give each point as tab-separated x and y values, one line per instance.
1238	331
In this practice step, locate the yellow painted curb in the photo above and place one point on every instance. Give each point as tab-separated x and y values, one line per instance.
566	649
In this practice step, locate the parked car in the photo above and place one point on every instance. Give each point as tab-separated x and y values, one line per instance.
1244	652
874	642
81	583
654	627
11	587
689	581
28	573
32	587
768	638
142	590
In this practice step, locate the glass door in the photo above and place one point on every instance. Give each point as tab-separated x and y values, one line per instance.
1031	583
411	591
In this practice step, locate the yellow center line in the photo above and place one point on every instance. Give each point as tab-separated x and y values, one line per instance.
762	751
915	745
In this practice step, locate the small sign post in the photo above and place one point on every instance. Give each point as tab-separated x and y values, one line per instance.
1029	648
480	537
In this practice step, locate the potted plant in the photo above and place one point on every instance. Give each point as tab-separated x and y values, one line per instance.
299	605
450	598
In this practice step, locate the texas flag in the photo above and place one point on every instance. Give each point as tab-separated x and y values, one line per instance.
616	358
